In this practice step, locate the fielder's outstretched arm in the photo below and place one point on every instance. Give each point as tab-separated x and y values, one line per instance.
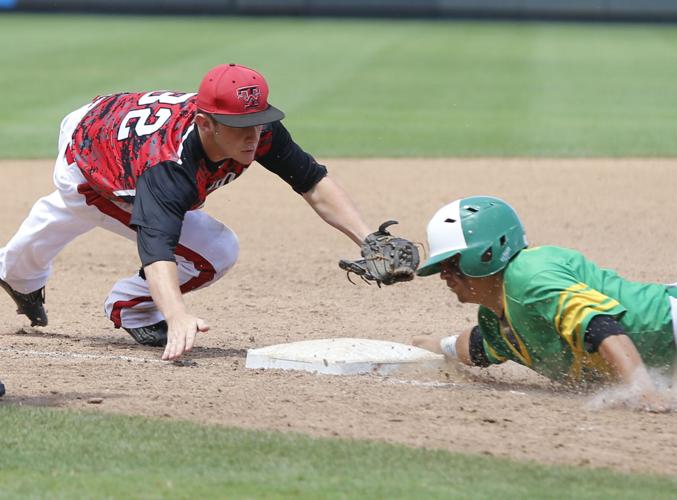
163	281
333	204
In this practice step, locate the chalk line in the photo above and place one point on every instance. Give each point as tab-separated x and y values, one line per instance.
61	354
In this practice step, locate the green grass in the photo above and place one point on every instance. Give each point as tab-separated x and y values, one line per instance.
365	88
48	453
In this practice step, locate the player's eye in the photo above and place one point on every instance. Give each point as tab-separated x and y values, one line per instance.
451	266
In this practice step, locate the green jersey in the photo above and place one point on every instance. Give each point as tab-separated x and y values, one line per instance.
550	294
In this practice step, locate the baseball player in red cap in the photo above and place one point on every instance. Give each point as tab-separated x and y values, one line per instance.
140	165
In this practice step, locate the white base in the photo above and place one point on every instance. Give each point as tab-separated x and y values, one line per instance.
343	356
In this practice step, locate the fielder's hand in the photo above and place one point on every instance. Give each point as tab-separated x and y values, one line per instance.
181	333
387	258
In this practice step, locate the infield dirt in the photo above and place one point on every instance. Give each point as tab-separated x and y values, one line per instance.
287	286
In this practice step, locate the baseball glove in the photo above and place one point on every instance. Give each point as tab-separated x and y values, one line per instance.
386	260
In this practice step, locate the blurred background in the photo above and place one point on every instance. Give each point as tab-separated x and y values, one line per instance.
560	9
366	78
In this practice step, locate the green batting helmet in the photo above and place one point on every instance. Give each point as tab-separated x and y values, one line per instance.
483	230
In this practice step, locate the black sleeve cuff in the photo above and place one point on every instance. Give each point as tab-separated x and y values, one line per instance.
599	328
477	354
154	245
315	175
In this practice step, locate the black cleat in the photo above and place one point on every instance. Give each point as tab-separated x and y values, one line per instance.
153	335
31	304
2	389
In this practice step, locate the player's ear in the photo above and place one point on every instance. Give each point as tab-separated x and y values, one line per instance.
204	122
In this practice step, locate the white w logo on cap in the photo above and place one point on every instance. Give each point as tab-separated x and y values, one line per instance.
250	96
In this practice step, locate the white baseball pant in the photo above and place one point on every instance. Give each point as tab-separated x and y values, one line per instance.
207	249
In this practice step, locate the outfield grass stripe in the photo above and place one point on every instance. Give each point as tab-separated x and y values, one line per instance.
366	88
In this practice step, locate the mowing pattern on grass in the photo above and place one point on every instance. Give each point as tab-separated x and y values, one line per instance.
365	88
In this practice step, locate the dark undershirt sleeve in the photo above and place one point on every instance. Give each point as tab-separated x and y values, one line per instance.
599	328
286	159
477	354
164	193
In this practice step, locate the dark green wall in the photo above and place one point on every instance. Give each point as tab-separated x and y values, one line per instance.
656	10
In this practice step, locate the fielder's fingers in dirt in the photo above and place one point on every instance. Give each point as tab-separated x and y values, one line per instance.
201	327
175	346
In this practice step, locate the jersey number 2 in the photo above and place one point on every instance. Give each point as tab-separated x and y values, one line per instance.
161	116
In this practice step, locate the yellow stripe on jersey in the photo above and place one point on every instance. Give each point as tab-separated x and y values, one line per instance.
521	351
575	304
588	362
562	299
494	354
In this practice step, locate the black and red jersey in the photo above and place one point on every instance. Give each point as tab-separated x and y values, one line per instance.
142	148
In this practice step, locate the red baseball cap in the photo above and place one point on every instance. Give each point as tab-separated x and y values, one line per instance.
236	96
